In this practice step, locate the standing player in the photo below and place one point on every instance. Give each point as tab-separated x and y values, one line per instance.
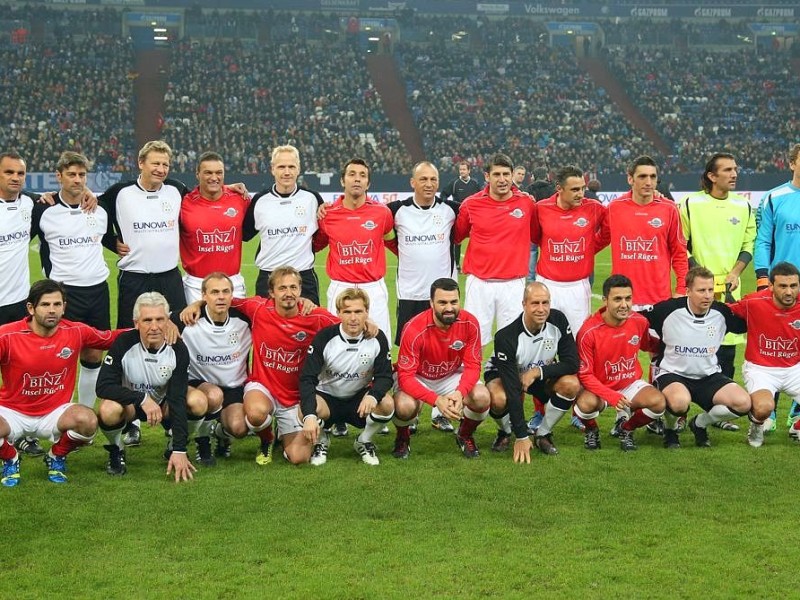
347	379
38	362
439	363
461	188
211	219
540	188
144	377
772	354
71	247
356	228
423	242
219	346
610	373
686	368
285	217
501	223
536	354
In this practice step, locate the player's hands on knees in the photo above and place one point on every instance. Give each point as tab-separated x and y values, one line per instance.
367	405
522	450
529	376
184	469
623	403
153	411
311	428
191	313
448	407
306	306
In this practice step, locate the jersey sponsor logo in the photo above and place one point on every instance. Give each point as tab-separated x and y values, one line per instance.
638	248
581	222
458	345
293	231
280	358
155	226
346	376
516	213
355	253
108	360
230	212
778	347
430	238
634	341
616	371
369	225
78	241
46	383
655	222
567	250
217	359
438	370
695	350
217	240
734	221
793	227
65	353
8	239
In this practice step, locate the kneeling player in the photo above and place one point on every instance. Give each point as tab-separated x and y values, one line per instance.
610	373
346	379
686	368
38	362
145	378
439	363
535	353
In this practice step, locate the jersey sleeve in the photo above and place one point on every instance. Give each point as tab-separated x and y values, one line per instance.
463	223
249	230
176	398
109	201
382	380
407	364
320	239
763	248
602	234
505	359
309	374
586	350
733	323
99	339
472	357
109	380
567	352
678	252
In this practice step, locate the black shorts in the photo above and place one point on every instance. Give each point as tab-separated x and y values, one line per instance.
13	312
407	310
345	410
309	286
701	390
131	285
142	416
230	395
538	389
89	305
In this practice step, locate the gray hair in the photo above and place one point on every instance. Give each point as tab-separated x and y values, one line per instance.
154	299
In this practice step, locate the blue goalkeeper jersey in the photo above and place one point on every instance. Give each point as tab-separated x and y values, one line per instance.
778	237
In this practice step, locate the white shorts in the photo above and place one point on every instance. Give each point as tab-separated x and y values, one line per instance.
378	301
43	427
192	284
634	388
573	298
287	419
491	299
772	379
439	386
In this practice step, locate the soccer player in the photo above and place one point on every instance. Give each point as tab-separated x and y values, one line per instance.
144	377
686	368
71	248
38	362
219	344
720	229
501	223
536	353
540	188
423	242
771	356
211	219
347	378
646	238
439	363
356	229
461	188
285	218
610	373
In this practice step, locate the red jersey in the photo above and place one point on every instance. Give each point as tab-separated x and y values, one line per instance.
772	332
434	353
610	355
39	372
500	234
211	233
356	239
645	242
569	239
280	345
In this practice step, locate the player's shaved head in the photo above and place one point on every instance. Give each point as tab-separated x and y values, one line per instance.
532	287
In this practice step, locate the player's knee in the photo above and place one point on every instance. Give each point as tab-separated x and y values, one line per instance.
740	402
257	411
479	398
386	406
658	403
85	421
298	454
110	412
214	398
587	402
678	404
567	386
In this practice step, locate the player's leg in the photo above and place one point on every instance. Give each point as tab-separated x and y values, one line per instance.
498	409
231	421
678	398
475	411
647	404
296	448
319	453
112	418
11	427
90	369
214	397
479	301
721	400
762	384
89	305
71	426
129	287
587	408
560	402
192	288
406	410
259	407
372	424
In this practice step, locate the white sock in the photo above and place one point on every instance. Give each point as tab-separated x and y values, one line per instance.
503	423
114	436
86	385
552	415
435	412
193	426
717	413
373	426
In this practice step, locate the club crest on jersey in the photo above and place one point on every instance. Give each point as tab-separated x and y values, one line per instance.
516	213
734	221
404	361
549	344
233	338
634	340
711	331
231	212
369	225
457	345
65	353
795	324
300	336
438	220
655	222
91	220
26	215
300	211
166	206
364	358
164	371
581	222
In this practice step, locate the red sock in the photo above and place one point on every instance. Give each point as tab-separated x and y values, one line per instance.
467	427
65	445
589	423
638	419
538	405
7	451
266	435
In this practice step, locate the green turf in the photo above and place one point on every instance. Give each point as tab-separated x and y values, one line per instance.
651	524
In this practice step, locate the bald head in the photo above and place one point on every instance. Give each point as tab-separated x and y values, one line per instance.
533	287
535	305
425	183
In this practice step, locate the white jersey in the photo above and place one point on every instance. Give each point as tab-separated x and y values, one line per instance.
424	245
148	223
15	237
218	353
286	224
71	242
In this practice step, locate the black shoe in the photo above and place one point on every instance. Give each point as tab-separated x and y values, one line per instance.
671	439
626	441
339	430
29	446
133	435
656	426
618	425
591	438
545	444
501	442
468	446
116	460
223	449
204	455
700	434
